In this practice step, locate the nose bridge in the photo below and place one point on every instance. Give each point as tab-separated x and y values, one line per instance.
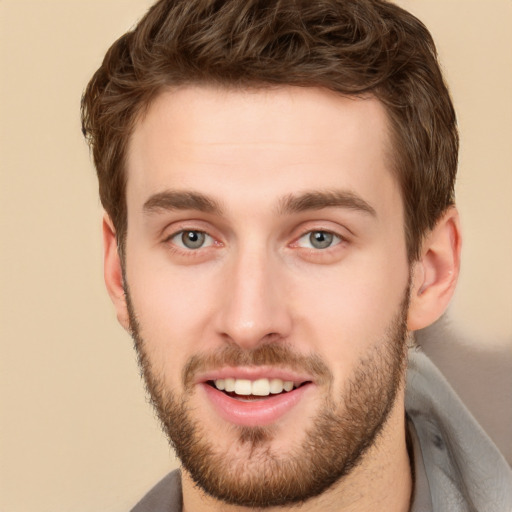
254	309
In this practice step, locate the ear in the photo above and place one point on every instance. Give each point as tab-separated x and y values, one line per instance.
435	273
112	272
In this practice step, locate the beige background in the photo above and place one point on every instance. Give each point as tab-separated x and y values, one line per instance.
75	431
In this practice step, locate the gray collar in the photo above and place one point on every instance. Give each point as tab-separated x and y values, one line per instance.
465	471
421	498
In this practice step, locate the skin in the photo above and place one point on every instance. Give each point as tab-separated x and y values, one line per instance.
257	279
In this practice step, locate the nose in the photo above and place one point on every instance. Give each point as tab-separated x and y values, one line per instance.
255	307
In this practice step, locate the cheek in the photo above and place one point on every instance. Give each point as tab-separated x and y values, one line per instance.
173	310
348	312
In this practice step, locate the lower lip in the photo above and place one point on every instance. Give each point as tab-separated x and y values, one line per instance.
254	413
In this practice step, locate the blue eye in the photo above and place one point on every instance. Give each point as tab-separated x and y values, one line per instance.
192	239
318	240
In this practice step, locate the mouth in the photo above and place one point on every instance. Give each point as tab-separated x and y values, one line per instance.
251	390
256	401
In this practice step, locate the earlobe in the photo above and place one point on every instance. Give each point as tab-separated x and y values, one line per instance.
112	271
435	273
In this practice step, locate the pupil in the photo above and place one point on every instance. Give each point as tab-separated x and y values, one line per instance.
193	239
321	239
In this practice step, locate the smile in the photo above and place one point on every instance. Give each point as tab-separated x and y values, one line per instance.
254	388
253	402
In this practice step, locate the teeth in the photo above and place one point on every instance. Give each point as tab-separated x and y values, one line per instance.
229	384
260	387
276	386
243	387
288	386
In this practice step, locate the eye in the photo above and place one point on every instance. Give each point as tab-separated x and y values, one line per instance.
318	240
191	239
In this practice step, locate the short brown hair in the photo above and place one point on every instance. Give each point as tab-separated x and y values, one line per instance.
353	47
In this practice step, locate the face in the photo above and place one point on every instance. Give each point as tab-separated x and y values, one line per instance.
267	282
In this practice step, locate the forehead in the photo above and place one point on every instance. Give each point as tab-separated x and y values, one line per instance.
275	140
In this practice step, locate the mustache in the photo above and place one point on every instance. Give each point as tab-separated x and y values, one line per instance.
264	355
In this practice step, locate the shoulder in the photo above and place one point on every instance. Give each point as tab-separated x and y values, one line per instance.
165	496
462	464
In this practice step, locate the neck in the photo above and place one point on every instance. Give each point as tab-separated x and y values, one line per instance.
381	481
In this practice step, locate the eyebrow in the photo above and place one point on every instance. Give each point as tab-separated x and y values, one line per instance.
318	200
171	200
177	200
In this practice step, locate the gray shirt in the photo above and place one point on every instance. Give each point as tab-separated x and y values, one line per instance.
457	468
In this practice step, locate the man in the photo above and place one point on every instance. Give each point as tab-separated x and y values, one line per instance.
278	185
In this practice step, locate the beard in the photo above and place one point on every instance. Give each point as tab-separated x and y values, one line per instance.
253	474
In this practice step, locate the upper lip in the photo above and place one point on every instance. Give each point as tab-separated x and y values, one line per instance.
253	373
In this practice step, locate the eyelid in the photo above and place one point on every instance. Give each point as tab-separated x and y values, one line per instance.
177	227
341	232
174	226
